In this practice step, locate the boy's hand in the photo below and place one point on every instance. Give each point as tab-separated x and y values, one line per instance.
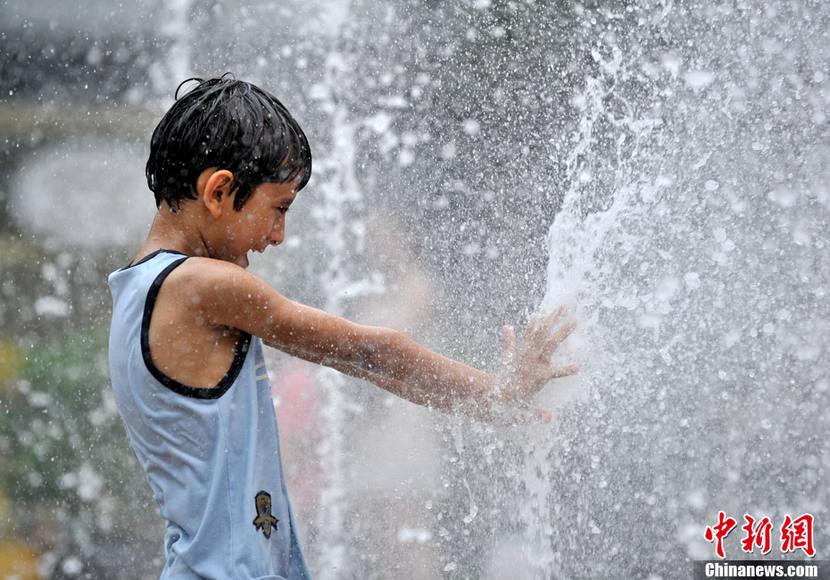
526	365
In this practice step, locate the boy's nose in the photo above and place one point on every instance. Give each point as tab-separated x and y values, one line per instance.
277	236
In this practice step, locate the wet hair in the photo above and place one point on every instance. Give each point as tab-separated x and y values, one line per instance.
229	124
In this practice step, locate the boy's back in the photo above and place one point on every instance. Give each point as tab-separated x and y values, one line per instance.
211	455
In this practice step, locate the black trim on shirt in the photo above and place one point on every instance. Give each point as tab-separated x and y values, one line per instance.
151	255
240	349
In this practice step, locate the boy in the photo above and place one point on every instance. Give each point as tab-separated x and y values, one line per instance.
188	324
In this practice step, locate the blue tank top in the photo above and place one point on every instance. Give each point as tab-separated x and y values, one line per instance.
212	455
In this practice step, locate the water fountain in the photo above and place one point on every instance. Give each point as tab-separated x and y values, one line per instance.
692	236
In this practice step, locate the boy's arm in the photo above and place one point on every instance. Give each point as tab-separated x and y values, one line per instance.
398	388
224	294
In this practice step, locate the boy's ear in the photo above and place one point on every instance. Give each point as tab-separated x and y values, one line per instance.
214	188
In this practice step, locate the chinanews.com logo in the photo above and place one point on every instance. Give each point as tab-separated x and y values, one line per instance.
793	535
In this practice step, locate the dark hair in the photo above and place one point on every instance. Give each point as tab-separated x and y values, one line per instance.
231	125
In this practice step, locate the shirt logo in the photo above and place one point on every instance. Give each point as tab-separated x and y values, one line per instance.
264	520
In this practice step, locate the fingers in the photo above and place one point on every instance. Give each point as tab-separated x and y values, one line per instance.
543	375
556	339
539	333
541	327
509	335
508	353
553	317
565	371
528	363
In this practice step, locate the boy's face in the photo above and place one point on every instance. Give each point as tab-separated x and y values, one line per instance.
259	224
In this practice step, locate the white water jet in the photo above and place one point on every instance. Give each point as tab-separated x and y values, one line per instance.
692	238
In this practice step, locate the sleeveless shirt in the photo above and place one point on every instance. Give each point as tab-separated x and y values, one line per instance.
211	456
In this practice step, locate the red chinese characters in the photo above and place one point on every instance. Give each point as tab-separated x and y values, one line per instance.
759	534
796	533
719	531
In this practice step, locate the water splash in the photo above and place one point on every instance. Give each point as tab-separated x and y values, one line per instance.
692	237
178	62
341	195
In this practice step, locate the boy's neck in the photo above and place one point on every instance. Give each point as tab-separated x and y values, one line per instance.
176	231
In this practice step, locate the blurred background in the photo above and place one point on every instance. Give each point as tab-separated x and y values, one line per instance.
662	165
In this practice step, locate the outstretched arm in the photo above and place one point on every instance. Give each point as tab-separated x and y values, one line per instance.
398	388
227	295
428	397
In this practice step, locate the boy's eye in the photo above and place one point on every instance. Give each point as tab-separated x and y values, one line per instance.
282	209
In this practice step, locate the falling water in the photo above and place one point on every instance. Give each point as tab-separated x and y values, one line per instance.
692	238
341	194
177	64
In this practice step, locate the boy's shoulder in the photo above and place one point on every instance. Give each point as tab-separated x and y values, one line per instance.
200	268
202	278
215	294
218	291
